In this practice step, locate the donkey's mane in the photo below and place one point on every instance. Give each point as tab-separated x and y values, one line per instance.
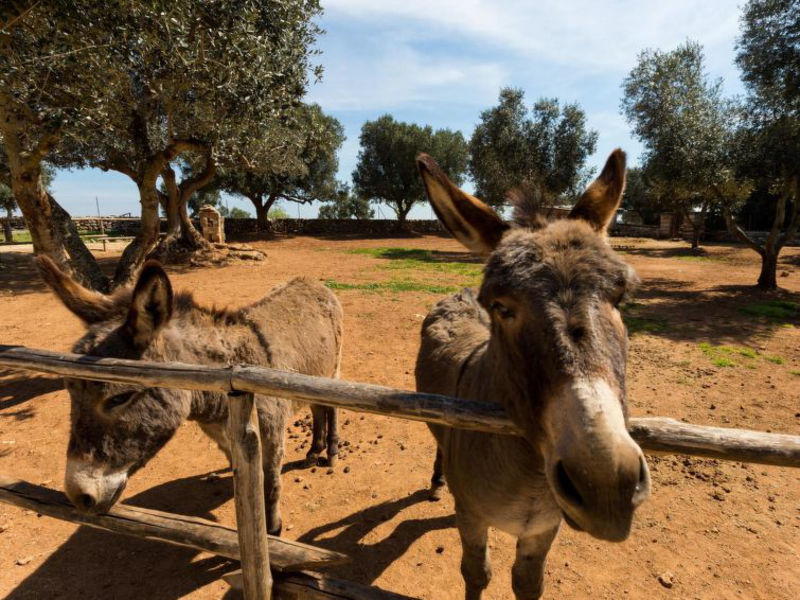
527	203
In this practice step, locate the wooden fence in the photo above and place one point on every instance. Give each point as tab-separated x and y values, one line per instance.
261	554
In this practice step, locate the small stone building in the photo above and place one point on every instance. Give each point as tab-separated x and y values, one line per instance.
212	224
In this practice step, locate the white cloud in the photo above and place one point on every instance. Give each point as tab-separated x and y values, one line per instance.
577	33
385	73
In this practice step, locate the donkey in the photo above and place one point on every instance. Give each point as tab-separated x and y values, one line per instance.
543	338
117	428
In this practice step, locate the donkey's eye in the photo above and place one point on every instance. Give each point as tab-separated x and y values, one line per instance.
501	310
620	290
118	400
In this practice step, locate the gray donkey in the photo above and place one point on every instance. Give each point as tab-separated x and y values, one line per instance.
544	338
117	428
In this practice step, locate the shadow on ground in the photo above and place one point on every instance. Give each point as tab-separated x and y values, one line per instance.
723	314
370	560
19	275
98	564
18	388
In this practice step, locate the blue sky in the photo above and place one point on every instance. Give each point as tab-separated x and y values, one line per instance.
441	62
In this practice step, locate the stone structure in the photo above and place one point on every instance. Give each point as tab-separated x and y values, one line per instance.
212	224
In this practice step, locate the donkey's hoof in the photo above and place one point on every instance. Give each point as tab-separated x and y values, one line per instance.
436	493
276	531
332	460
313	459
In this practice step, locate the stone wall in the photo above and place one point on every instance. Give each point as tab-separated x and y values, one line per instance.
376	227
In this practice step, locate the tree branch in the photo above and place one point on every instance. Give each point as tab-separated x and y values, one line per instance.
794	222
191	185
733	227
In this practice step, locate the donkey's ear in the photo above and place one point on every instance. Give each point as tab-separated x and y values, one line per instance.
469	220
600	201
89	305
151	304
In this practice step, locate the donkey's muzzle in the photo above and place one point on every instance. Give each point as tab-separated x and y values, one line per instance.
93	488
596	471
602	501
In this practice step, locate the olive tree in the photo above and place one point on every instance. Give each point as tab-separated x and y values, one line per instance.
679	114
386	170
767	147
295	161
346	205
133	86
544	147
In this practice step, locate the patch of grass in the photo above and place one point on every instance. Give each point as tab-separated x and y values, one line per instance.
22	236
422	260
723	362
394	285
774	310
644	325
794	372
722	356
701	258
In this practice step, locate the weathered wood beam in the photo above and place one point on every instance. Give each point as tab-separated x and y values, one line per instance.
248	495
652	433
180	530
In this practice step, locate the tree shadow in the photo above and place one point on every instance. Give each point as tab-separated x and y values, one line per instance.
18	387
100	564
369	561
19	274
721	314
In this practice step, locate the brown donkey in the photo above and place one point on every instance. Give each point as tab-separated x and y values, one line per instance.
544	338
117	428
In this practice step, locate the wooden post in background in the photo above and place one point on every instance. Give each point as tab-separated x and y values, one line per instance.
248	489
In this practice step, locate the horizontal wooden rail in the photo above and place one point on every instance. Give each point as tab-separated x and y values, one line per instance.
652	433
179	530
287	557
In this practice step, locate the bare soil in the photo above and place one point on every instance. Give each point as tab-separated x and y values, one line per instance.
711	530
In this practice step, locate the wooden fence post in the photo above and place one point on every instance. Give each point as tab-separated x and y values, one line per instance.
248	489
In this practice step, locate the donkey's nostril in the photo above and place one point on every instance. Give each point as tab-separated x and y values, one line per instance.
566	486
86	501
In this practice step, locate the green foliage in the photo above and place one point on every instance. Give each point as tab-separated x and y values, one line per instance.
296	162
233	213
127	80
545	148
679	114
346	205
386	171
278	212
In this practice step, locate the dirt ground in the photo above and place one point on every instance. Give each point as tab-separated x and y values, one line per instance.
701	350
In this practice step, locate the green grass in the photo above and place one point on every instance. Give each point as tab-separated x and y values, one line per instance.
418	259
723	362
23	236
393	285
644	325
794	372
774	310
722	356
701	258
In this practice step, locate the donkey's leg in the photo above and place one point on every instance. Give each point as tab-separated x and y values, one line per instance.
437	479
320	418
527	574
333	434
273	432
475	567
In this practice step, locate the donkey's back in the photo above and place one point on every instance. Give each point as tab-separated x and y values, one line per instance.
300	325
